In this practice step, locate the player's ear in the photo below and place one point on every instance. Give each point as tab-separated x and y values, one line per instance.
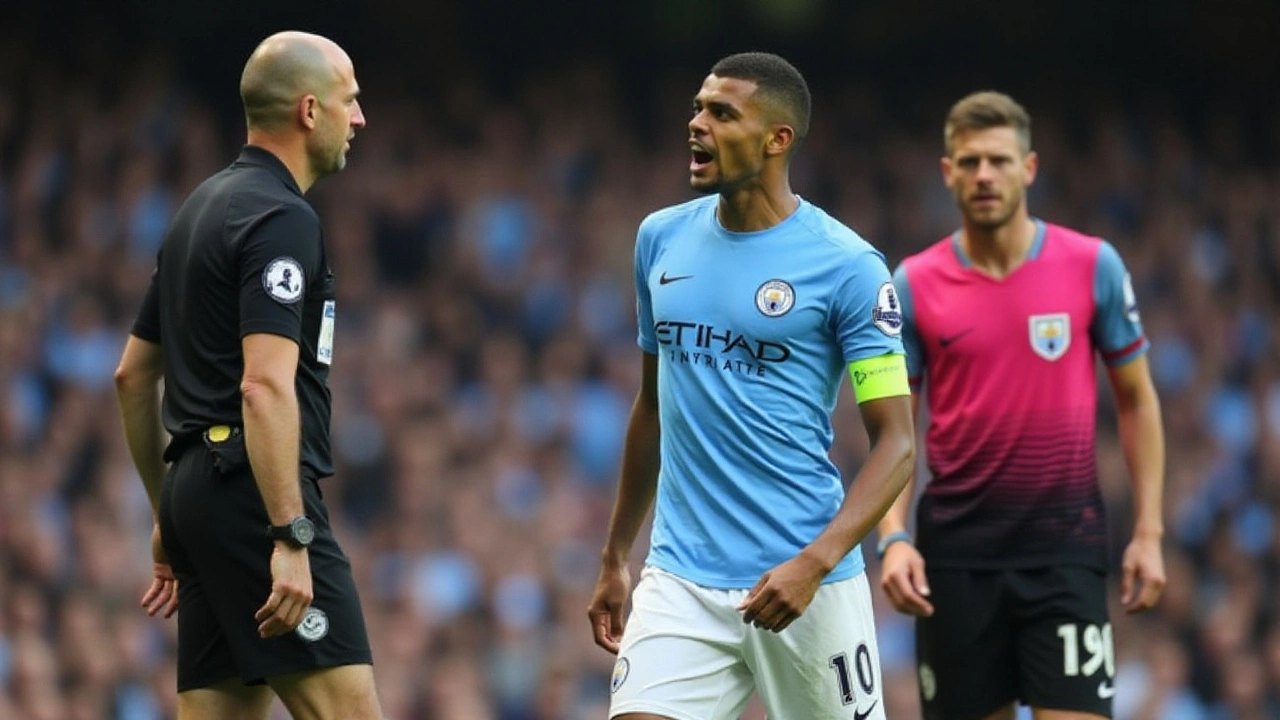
1032	165
308	108
780	140
946	166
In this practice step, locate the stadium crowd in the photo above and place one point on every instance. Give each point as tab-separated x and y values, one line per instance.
485	363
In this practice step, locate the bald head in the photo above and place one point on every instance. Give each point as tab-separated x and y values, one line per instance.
282	69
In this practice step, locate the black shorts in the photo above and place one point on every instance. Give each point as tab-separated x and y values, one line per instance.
213	526
1039	636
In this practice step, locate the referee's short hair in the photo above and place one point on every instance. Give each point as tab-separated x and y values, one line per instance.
282	69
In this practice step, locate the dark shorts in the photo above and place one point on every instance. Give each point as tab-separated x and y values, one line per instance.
212	525
1039	636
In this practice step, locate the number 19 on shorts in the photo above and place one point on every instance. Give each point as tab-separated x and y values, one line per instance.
1095	641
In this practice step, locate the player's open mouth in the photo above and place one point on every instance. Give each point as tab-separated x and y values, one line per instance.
701	158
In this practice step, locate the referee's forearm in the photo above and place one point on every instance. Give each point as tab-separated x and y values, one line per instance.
638	484
272	430
140	415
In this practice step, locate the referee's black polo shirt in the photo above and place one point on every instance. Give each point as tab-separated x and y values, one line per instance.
245	254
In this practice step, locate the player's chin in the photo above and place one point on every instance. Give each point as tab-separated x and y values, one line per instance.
703	185
988	217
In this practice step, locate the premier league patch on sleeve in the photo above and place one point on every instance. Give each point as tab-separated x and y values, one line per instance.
1130	301
283	280
887	314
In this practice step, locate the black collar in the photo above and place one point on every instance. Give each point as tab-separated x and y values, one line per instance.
254	155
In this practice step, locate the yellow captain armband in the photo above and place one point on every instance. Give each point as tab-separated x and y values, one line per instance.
880	377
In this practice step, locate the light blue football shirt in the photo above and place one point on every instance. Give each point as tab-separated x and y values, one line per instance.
753	333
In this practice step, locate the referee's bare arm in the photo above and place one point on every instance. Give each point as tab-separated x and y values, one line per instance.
272	432
138	394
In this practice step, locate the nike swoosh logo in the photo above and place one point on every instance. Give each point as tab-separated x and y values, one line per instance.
864	714
948	339
663	279
1106	691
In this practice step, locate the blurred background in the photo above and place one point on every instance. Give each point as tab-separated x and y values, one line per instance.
485	359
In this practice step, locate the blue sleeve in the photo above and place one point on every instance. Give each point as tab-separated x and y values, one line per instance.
910	334
866	312
1116	329
646	339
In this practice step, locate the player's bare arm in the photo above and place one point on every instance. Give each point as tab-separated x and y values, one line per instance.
1142	438
272	431
783	593
138	393
639	482
902	573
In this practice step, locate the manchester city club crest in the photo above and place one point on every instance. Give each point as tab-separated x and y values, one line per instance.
621	669
1050	335
775	298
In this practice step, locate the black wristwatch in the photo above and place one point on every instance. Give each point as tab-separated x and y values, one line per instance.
299	532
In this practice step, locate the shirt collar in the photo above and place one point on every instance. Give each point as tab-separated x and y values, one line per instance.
1037	244
254	155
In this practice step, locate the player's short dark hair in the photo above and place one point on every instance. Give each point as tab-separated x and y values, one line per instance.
779	85
987	109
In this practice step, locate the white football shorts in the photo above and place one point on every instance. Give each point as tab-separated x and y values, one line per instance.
687	655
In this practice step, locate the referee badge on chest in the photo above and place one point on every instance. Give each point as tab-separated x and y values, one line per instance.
1050	335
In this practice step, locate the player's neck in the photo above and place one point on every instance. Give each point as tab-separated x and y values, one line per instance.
999	251
291	152
756	207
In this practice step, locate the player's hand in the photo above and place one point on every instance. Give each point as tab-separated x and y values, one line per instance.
1142	574
782	594
903	581
290	591
163	592
607	603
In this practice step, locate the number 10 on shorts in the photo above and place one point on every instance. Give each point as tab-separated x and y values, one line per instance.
862	667
1097	645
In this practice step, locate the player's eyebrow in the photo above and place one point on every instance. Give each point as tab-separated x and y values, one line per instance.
718	106
978	155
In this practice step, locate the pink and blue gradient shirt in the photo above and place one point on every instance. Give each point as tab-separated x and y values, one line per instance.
1009	372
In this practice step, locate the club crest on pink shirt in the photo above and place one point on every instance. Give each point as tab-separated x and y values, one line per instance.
1050	335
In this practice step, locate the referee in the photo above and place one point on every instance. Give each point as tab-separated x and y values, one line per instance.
238	322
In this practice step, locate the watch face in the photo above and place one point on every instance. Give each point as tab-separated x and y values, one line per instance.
304	531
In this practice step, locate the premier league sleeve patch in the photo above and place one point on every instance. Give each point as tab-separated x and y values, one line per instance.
887	314
283	280
1131	301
